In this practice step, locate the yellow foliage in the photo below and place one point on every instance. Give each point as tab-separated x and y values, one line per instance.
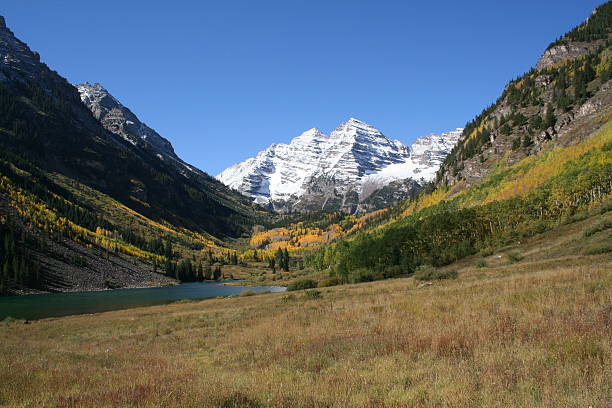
533	171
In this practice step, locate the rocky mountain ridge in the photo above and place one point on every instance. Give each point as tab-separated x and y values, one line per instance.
339	171
91	201
121	121
561	101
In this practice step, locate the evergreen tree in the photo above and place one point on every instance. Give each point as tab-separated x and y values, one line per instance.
217	274
272	264
207	272
286	260
549	119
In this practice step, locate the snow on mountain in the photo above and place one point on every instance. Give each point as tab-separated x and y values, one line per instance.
354	156
427	154
120	120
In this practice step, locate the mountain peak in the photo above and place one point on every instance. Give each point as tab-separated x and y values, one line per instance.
121	121
312	132
94	93
353	120
354	127
313	168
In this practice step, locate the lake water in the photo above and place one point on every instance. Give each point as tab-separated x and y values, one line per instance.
64	304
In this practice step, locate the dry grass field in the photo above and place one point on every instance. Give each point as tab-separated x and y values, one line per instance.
534	332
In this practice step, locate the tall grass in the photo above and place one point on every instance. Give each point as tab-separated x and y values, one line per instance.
534	333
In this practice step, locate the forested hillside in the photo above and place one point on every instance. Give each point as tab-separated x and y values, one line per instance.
526	164
549	106
82	208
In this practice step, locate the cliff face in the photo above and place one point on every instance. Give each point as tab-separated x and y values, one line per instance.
121	121
566	52
563	100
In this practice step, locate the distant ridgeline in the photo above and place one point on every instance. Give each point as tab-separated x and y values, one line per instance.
527	163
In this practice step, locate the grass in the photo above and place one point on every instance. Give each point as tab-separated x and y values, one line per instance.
430	274
531	333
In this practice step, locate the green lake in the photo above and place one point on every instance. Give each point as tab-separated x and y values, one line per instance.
72	303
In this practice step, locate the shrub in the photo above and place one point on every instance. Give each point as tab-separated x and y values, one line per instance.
514	257
481	263
183	301
361	275
429	274
392	271
598	227
302	284
112	284
486	251
247	292
8	320
574	218
287	298
598	250
312	294
607	206
330	282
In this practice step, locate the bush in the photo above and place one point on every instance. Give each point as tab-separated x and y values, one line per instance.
514	257
486	251
598	250
312	294
481	263
302	284
287	298
429	273
247	292
392	271
112	284
598	227
330	282
362	275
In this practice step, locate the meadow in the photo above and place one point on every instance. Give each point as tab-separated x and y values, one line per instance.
528	325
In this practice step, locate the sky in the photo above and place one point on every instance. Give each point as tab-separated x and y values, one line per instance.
222	80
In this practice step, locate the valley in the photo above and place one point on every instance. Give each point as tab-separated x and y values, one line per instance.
471	267
504	332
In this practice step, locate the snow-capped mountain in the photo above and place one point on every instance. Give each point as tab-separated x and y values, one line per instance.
315	171
426	155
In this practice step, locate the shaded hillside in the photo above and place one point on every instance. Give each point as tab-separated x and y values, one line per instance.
52	149
45	122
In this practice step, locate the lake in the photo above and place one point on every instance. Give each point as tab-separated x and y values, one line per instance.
72	303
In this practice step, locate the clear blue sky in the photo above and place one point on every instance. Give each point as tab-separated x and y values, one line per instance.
224	79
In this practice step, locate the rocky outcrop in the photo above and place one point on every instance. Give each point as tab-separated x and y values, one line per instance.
120	120
563	52
16	58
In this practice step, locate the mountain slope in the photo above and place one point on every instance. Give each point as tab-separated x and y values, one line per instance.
526	164
52	149
552	105
121	121
48	122
315	171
